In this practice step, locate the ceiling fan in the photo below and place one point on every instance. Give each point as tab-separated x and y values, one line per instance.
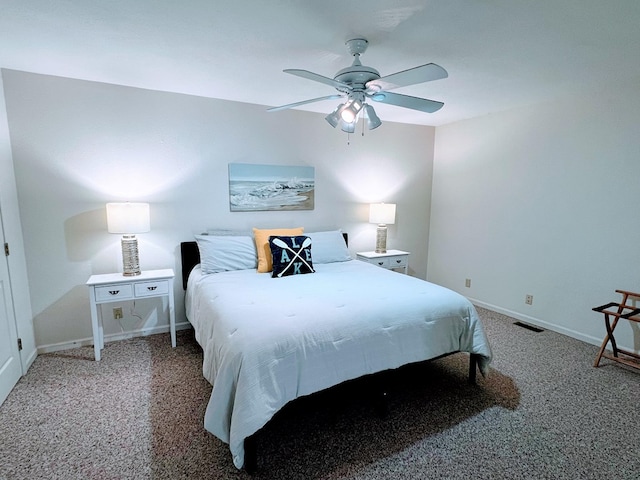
359	83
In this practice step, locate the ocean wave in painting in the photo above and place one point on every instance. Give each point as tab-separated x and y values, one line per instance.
291	194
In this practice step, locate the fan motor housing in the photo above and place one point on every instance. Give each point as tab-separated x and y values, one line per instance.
357	75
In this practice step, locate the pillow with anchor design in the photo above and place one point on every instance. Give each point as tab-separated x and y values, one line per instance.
291	255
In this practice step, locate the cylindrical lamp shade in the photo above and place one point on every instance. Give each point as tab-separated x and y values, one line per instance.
128	218
382	213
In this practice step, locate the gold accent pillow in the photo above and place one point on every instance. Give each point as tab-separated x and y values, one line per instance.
265	262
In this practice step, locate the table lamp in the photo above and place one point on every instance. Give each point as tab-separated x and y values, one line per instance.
128	219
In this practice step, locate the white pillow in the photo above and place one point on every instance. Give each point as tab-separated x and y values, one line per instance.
226	252
328	247
225	232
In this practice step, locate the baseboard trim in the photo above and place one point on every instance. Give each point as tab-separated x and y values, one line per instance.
539	323
29	360
84	342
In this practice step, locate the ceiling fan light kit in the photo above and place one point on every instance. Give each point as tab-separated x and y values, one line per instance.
334	117
373	121
348	127
359	83
351	111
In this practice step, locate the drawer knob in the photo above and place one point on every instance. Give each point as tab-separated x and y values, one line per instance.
398	261
151	289
114	292
380	263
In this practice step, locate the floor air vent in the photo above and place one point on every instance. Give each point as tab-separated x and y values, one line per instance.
528	327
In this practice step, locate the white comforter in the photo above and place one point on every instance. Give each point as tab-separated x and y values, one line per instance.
267	341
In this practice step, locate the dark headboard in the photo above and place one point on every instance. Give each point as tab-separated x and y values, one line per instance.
190	257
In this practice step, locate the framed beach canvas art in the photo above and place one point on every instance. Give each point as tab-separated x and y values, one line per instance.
270	187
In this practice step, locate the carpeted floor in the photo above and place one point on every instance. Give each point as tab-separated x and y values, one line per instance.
543	413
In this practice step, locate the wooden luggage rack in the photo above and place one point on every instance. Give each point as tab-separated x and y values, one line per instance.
620	310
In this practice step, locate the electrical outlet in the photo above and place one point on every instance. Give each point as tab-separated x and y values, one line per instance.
528	299
117	313
467	283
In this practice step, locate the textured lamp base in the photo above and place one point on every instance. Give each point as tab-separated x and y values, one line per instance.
381	239
130	261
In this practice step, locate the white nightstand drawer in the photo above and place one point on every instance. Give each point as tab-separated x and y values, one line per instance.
114	292
380	262
398	261
146	289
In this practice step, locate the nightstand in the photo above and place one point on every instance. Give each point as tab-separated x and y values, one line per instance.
391	260
115	287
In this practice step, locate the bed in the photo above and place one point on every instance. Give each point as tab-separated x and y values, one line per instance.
267	341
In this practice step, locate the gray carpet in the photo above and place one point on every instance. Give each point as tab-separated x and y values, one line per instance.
543	412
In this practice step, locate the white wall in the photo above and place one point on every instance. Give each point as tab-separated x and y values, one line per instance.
77	145
542	201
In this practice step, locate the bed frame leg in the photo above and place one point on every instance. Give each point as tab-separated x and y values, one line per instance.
250	454
473	367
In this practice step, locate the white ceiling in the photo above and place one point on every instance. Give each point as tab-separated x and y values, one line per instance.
499	53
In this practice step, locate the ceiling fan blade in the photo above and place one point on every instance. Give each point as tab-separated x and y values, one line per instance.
412	76
303	102
319	78
407	101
